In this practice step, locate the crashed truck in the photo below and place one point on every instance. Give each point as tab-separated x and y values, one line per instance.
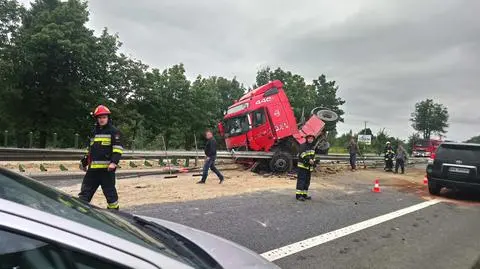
263	120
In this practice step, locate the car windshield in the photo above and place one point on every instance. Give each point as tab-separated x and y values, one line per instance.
22	190
237	125
465	153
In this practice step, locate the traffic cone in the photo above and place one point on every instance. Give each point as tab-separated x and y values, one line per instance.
376	187
425	180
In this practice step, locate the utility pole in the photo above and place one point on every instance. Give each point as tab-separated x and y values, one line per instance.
365	133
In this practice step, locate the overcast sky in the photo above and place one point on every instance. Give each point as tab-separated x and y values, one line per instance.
385	55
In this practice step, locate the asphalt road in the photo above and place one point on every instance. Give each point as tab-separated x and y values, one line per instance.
444	235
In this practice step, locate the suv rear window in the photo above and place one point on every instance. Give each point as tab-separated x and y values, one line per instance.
469	153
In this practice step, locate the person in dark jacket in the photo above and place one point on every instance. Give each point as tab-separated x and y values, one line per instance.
211	155
400	159
389	156
353	150
306	164
101	160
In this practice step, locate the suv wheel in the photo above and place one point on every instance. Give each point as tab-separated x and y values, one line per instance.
433	188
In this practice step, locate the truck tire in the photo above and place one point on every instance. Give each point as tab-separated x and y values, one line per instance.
281	162
433	188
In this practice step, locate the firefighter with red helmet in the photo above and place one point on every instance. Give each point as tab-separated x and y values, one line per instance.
306	164
102	158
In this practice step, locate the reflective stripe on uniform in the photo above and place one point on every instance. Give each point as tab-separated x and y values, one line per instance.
117	149
99	164
299	192
307	153
113	205
102	138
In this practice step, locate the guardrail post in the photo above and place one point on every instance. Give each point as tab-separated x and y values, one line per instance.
30	139
187	162
76	140
5	139
196	150
54	140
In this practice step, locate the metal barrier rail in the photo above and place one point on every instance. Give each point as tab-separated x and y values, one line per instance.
19	154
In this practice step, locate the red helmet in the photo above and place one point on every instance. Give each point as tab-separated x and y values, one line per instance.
101	110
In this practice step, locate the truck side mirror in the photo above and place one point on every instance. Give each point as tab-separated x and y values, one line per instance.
221	130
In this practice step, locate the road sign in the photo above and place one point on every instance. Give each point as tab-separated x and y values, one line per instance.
366	139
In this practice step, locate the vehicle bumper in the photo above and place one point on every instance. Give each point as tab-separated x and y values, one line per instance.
455	184
228	254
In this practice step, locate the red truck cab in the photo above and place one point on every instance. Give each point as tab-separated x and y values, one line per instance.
263	120
425	147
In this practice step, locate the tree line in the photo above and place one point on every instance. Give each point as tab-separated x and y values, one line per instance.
54	70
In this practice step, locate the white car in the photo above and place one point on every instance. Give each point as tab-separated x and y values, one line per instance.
43	228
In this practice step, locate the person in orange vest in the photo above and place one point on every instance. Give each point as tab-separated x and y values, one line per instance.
102	158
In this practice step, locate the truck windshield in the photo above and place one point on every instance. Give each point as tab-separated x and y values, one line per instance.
236	126
422	143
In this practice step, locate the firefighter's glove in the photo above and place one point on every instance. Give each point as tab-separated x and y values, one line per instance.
84	163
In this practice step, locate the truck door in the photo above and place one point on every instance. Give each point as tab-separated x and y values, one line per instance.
261	133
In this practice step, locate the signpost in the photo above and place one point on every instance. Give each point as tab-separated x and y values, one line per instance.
365	139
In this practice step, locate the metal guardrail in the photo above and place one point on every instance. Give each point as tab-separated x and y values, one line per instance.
19	154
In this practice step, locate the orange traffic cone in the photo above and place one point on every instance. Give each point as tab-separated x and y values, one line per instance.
425	180
376	187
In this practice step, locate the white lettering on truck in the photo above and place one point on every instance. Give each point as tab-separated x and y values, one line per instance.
264	100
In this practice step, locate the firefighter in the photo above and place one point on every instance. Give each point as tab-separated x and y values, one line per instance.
389	155
101	159
306	164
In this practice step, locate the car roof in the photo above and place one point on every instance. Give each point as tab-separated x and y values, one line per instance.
462	144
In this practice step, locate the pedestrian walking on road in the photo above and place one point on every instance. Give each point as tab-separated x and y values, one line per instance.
101	160
306	164
211	155
400	159
353	150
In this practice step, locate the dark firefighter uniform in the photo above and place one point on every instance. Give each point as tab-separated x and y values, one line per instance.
105	148
305	168
389	155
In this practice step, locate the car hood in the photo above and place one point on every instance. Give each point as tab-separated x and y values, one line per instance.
228	254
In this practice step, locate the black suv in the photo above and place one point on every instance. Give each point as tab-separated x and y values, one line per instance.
455	165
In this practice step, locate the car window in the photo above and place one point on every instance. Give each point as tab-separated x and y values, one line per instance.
459	152
22	190
20	251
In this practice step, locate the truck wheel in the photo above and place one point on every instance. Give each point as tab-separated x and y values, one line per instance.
433	188
281	162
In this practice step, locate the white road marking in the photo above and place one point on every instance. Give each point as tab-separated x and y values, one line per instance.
288	250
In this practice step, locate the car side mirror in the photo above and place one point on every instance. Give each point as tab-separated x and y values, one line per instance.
221	130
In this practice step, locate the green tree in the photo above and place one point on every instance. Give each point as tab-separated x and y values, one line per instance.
430	118
326	96
367	131
10	18
412	139
475	139
58	75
